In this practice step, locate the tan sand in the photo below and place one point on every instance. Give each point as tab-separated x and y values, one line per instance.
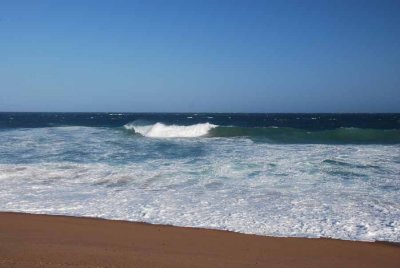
57	241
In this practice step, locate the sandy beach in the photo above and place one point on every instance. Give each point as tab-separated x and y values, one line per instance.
28	240
193	134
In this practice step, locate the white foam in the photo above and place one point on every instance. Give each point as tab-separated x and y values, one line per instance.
222	183
160	130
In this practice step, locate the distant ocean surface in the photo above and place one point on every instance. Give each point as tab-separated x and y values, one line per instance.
306	175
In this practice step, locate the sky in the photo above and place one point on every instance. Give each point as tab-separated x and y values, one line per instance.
200	56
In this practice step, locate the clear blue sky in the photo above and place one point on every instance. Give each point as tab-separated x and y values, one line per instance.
193	56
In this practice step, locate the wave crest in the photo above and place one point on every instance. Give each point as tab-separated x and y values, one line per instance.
159	130
268	134
331	136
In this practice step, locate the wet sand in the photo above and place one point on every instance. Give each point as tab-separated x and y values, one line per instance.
28	240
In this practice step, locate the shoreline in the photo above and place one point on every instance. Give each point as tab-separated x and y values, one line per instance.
38	240
391	243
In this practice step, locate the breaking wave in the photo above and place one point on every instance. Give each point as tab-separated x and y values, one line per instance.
160	130
269	134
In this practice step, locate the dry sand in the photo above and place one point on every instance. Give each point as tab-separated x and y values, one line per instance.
57	241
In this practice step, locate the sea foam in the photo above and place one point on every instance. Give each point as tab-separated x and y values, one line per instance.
308	190
160	130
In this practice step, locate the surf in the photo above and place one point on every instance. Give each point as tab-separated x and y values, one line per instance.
282	135
160	130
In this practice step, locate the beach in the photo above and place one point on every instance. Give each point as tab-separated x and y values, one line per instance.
199	134
306	175
28	240
199	190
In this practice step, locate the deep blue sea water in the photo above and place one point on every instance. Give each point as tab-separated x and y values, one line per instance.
310	175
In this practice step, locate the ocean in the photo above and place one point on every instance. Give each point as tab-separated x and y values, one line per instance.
295	175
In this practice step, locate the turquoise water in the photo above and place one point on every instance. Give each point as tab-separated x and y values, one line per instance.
336	176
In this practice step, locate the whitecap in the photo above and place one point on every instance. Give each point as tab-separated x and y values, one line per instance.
160	130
